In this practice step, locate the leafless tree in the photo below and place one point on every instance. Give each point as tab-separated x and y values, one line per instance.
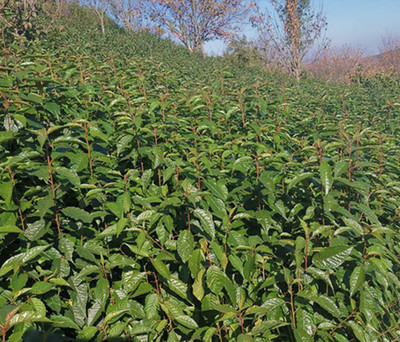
194	22
291	31
389	58
102	8
337	64
130	14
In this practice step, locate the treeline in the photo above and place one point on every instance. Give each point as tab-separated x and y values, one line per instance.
291	38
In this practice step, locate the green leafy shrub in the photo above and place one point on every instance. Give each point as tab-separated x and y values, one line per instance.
139	202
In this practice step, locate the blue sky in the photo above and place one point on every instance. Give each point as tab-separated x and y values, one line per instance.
358	23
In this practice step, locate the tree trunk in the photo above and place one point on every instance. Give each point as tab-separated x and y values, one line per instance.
203	51
297	72
103	29
296	66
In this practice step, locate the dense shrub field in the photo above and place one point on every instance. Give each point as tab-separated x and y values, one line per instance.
140	203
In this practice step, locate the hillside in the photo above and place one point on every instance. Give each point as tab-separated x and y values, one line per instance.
80	33
388	59
152	195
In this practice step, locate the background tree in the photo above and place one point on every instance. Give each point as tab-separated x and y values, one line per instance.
291	32
194	22
337	64
130	14
244	52
102	8
389	49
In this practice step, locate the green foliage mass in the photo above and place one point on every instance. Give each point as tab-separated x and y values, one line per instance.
79	34
174	198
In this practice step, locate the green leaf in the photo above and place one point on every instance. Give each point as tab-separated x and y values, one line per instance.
6	190
198	288
64	322
187	321
207	222
216	189
7	311
368	305
173	337
59	282
151	306
38	305
77	214
369	213
185	245
320	274
132	279
195	262
357	279
281	209
122	223
179	287
326	176
332	257
70	175
301	336
298	179
358	331
10	229
123	142
146	215
248	268
236	262
328	304
244	338
27	317
45	204
125	199
94	312
35	98
267	307
21	259
116	209
340	167
23	157
217	206
66	247
87	333
354	225
6	82
36	230
53	108
272	304
215	279
305	320
6	136
41	287
18	281
265	326
161	268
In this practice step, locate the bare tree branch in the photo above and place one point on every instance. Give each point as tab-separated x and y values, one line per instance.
194	22
290	34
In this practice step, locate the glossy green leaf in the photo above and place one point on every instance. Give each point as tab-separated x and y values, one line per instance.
326	177
207	222
357	279
185	245
77	214
332	257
